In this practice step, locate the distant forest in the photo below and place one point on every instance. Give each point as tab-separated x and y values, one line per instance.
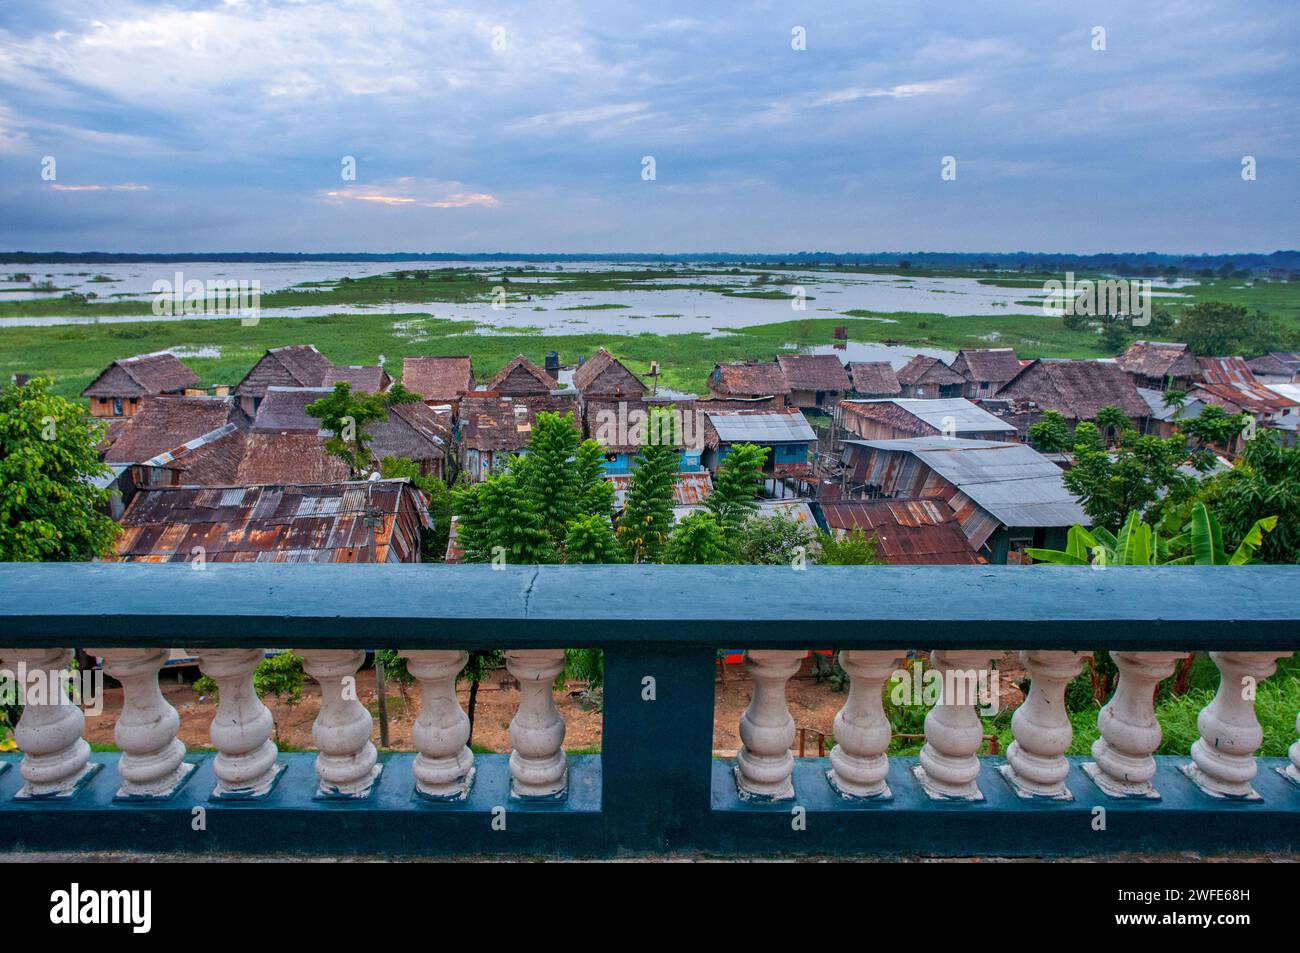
1142	263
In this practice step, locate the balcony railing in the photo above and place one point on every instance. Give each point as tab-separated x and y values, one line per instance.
655	785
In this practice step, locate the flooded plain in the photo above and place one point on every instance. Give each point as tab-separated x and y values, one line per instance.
673	310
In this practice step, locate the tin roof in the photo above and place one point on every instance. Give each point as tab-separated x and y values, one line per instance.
368	521
955	415
813	372
1011	481
763	426
1160	411
1230	383
907	532
690	489
144	374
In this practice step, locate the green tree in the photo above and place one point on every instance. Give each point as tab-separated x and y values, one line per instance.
1216	328
1266	482
735	487
1051	434
856	548
549	474
50	511
1110	420
591	539
398	394
697	540
1137	473
1214	427
497	518
648	510
345	415
773	540
595	494
1114	336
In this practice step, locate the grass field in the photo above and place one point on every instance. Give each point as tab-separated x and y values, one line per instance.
74	354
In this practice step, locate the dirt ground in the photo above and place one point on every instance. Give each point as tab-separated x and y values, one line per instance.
812	703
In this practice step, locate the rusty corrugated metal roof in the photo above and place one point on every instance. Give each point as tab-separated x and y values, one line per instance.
908	532
333	522
689	489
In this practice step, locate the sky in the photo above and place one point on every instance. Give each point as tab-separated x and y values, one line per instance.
233	125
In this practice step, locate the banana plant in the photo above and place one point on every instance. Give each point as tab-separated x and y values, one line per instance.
1138	544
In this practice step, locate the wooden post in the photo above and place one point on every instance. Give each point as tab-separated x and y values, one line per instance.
381	686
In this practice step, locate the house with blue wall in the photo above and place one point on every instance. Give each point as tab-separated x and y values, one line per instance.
784	432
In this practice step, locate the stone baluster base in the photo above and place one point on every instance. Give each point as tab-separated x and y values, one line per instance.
153	765
859	763
56	759
764	766
1036	765
246	764
444	767
538	766
1223	758
1130	733
347	764
950	764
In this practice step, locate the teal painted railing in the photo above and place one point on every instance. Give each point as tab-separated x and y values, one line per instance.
655	785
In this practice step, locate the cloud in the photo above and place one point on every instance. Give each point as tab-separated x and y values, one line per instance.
575	117
901	91
757	144
119	187
416	193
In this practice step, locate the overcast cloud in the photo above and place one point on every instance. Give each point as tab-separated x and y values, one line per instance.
223	126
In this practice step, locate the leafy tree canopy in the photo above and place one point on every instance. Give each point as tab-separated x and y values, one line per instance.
49	509
345	415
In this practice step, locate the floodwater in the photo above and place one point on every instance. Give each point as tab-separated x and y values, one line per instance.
670	311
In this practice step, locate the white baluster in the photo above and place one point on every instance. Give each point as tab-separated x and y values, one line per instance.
1223	758
1292	770
950	764
246	764
346	764
444	768
859	763
764	766
56	759
1130	733
538	768
153	759
1036	764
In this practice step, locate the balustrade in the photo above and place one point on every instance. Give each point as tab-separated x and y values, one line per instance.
661	694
